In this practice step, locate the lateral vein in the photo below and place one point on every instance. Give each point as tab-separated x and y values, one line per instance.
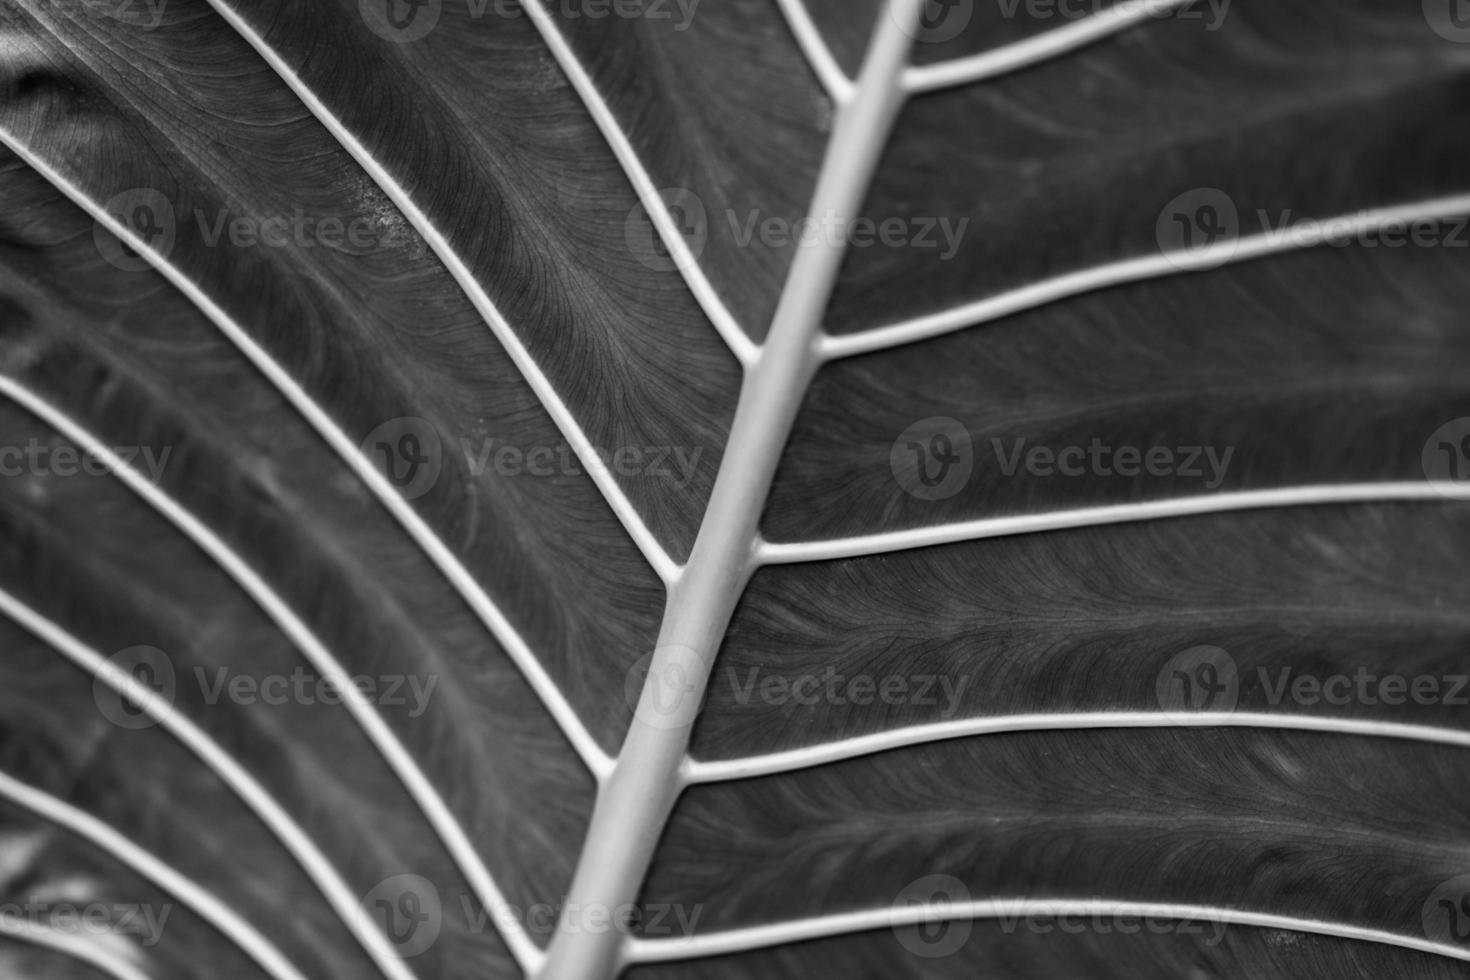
450	832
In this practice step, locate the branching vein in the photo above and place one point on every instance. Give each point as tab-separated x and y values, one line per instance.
382	737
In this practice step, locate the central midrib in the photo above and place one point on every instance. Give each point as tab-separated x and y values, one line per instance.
637	798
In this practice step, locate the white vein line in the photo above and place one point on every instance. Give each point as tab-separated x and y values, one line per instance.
1042	47
204	903
435	549
755	766
540	383
823	927
839	86
98	957
635	804
393	752
1000	527
257	798
744	349
1139	269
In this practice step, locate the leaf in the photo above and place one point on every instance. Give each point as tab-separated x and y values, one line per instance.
921	488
